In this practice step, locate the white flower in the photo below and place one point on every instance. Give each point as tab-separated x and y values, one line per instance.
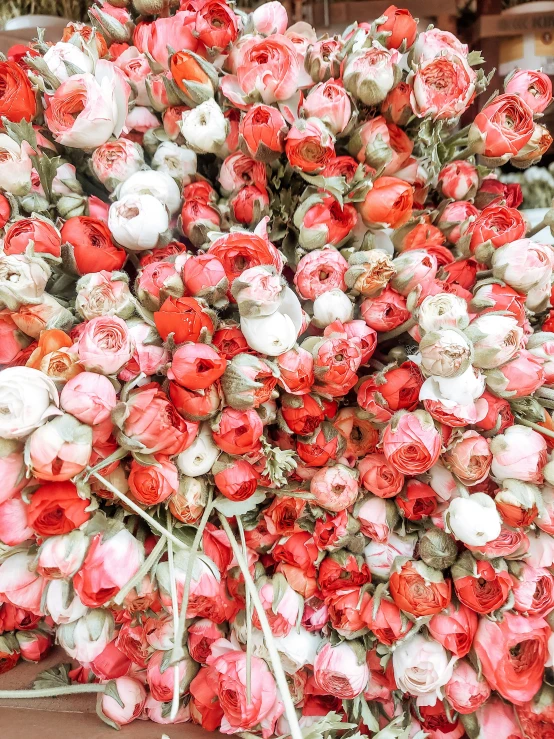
22	279
523	264
62	608
421	668
28	398
442	311
138	221
86	639
380	555
104	294
297	649
199	458
150	182
452	391
445	353
15	167
473	520
258	291
271	335
204	127
176	161
62	556
62	52
496	339
333	305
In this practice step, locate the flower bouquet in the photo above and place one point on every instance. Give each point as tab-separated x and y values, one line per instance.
277	377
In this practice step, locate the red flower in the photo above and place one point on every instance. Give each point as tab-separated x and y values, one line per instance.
56	508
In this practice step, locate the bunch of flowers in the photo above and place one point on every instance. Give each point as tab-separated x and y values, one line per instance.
275	425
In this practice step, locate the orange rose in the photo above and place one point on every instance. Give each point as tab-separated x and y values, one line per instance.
418	589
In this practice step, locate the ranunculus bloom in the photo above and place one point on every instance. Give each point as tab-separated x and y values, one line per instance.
91	246
400	27
89	397
236	479
329	102
28	398
533	590
152	484
17	100
443	87
465	690
380	477
322	220
419	590
458	180
502	128
411	443
175	31
183	317
105	345
132	694
57	508
388	204
518	453
533	86
386	312
238	432
45	237
19	584
454	628
370	74
196	366
512	653
339	672
262	133
484	588
309	145
14	524
421	668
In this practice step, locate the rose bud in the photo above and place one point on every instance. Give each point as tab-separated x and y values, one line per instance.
341	670
216	25
398	29
187	503
194	76
115	161
330	306
309	145
236	479
45	237
465	690
185	318
421	668
281	604
397	107
104	294
473	520
34	646
446	353
418	589
502	128
59	449
337	572
324	444
369	273
416	501
161	681
296	371
319	271
239	170
494	297
322	59
413	269
379	477
492	189
29	398
335	488
469	458
519	453
455	629
105	345
392	390
329	102
196	406
149	355
322	220
388	204
454	219
377	517
258	291
498	415
533	86
62	556
411	442
157	281
239	250
199	457
238	432
204	277
451	72
371	73
138	221
89	247
176	161
479	585
381	145
204	128
14	524
385	312
248	382
152	484
512	653
347	611
442	311
198	219
132	699
196	366
386	621
18	101
262	133
336	361
495	226
518	503
301	414
249	204
532	152
459	180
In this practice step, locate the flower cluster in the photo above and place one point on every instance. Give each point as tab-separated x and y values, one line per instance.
276	349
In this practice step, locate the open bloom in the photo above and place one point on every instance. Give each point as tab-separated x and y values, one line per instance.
422	668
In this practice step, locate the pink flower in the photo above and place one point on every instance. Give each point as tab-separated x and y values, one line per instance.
518	453
465	691
201	635
443	87
238	714
89	397
132	694
319	271
175	31
335	488
161	681
459	180
329	102
502	128
59	449
495	719
338	671
60	557
322	220
435	42
370	74
135	67
87	109
270	18
105	345
411	443
533	590
14	524
238	170
20	585
115	161
533	86
281	605
149	355
518	378
12	469
374	518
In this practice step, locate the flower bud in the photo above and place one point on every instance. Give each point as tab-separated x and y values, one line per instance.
446	353
437	549
473	520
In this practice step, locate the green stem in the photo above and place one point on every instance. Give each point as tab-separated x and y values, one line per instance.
53	692
118	454
138	510
398	331
456	135
536	229
152	559
280	677
463	154
248	621
175	609
535	426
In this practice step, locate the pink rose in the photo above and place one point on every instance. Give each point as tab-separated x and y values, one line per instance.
465	691
201	635
533	86
435	42
340	670
60	557
270	18
533	590
281	604
132	694
335	488
149	354
319	271
239	714
60	449
411	443
518	378
12	469
442	87
495	719
175	31
105	345
455	629
161	680
519	453
115	161
14	524
502	128
322	221
238	170
12	340
135	67
89	397
19	584
329	102
381	144
459	180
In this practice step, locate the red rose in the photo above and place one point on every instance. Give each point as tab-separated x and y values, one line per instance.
498	224
379	477
183	317
236	479
152	484
240	250
400	27
341	571
455	629
17	98
502	128
45	237
493	190
238	432
419	590
196	405
482	588
282	516
387	621
262	133
417	500
91	248
347	609
56	508
298	549
301	413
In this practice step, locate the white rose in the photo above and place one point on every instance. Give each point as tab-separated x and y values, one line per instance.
204	128
297	649
63	608
62	52
62	556
199	458
271	335
452	391
28	398
15	167
176	161
22	280
380	555
496	339
523	264
421	668
104	294
445	353
333	305
138	221
151	182
442	311
86	638
474	520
